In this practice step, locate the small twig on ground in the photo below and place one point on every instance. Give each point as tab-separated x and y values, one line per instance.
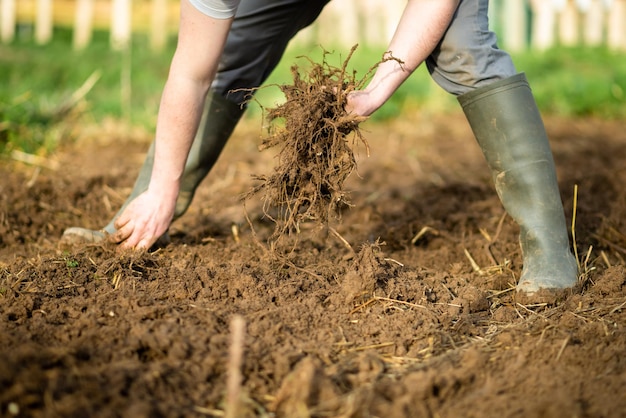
422	232
371	346
35	160
558	356
391	260
33	178
317	276
475	265
605	258
384	299
609	243
493	240
574	226
235	359
501	292
342	239
617	308
537	305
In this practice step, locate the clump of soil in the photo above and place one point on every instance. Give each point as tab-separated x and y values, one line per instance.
316	154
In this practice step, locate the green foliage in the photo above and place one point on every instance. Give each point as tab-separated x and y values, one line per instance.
71	263
39	80
31	125
577	81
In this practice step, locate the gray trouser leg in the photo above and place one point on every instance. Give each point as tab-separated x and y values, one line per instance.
468	56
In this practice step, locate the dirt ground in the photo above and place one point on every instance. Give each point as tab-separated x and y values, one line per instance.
403	308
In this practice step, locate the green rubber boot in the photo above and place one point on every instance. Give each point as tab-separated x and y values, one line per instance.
511	134
218	122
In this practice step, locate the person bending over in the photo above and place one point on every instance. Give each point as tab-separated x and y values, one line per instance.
226	45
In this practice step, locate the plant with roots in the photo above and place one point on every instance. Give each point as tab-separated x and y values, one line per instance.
316	154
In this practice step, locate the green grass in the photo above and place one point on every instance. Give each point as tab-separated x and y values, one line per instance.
53	72
578	81
39	80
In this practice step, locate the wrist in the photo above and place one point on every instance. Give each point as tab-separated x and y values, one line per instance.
165	187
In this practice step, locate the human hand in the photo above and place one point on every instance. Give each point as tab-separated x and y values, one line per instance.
360	103
144	221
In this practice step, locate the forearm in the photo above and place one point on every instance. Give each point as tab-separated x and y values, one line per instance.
420	29
201	40
179	115
200	44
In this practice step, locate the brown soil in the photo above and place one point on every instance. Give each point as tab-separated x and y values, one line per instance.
359	320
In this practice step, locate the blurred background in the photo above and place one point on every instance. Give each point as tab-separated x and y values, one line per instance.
71	63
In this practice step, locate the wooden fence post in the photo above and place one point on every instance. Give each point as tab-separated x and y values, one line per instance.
7	20
568	24
343	23
593	32
369	25
392	13
339	14
43	22
617	25
378	21
83	24
120	24
347	18
514	14
543	26
158	22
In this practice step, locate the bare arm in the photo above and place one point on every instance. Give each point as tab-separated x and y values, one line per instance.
200	43
420	29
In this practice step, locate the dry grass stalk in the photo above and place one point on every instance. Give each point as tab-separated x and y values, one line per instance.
235	359
384	299
35	160
341	238
422	232
371	347
575	204
558	356
474	264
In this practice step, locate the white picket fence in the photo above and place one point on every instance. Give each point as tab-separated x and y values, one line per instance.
521	24
121	18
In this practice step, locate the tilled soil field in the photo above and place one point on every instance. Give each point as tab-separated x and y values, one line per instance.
404	307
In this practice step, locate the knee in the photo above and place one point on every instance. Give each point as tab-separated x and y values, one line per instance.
466	60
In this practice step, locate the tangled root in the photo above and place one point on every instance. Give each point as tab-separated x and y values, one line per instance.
316	156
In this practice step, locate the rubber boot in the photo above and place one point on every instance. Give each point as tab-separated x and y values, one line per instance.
218	122
509	129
